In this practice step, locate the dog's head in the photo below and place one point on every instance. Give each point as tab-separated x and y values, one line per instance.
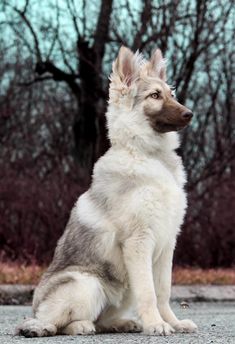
140	85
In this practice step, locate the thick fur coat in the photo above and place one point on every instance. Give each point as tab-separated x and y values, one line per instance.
111	269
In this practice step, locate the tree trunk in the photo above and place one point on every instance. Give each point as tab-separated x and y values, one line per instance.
90	122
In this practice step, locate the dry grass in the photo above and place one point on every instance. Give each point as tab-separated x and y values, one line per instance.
203	276
20	274
13	274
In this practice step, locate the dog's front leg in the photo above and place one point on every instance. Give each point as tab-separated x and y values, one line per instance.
137	252
162	281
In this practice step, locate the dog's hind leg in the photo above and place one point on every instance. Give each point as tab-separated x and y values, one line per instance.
70	309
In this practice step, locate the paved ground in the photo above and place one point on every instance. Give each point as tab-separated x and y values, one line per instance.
216	323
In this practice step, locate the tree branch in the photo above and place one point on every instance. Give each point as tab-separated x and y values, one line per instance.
58	75
31	29
144	19
102	31
35	80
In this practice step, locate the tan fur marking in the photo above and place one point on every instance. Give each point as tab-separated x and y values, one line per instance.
169	118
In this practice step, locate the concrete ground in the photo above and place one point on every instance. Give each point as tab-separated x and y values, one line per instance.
216	322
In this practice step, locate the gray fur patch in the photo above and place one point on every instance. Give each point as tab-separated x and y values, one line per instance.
76	251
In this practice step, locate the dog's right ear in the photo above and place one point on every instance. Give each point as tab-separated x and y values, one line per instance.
157	65
127	66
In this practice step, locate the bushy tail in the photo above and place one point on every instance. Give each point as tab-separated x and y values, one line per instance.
35	328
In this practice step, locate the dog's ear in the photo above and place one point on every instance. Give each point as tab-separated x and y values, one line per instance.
158	65
127	66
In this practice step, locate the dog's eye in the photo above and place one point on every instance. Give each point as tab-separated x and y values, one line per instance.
155	95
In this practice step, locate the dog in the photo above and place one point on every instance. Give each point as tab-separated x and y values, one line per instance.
111	270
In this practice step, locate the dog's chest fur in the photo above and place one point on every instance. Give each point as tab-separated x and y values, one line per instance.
131	192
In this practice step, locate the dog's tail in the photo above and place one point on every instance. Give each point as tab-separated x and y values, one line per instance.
35	328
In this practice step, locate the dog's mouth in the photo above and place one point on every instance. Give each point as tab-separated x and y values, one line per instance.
166	127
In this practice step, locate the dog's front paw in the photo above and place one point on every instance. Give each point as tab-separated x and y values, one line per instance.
185	326
159	329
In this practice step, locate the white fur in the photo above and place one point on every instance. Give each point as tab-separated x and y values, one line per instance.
145	219
84	297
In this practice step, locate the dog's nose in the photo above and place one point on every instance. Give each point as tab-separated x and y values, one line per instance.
187	115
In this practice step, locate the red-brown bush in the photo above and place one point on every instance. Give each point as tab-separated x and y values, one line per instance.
34	213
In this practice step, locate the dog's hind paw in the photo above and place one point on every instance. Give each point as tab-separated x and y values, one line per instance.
35	328
119	326
160	329
83	327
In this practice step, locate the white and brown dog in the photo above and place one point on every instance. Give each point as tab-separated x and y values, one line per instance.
111	269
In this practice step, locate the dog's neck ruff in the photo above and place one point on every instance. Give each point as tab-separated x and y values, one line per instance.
130	130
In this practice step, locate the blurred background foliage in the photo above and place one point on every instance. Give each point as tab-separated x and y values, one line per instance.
56	56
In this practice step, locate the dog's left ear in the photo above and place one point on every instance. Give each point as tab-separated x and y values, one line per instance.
158	65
